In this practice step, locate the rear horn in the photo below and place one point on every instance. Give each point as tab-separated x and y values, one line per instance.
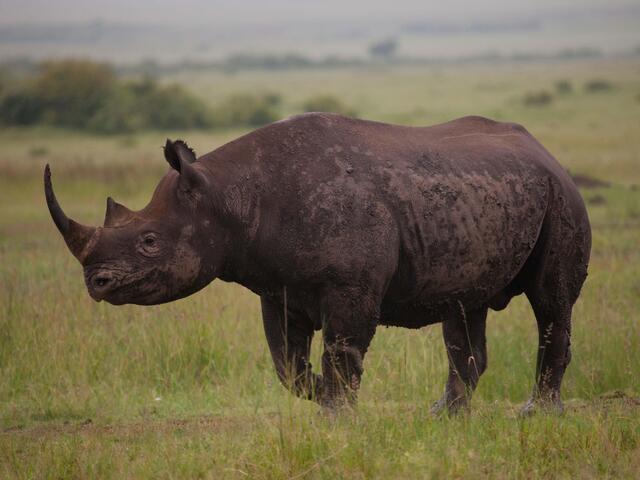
116	213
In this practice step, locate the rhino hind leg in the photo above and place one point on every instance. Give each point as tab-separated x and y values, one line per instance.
552	308
554	286
465	341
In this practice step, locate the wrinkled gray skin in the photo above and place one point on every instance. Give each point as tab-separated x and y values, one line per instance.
342	225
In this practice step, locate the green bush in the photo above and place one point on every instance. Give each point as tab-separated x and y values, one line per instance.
535	99
597	85
66	93
172	107
38	151
384	48
327	103
20	108
87	95
72	91
146	105
564	87
247	110
119	114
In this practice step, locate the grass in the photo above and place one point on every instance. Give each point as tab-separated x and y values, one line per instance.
188	390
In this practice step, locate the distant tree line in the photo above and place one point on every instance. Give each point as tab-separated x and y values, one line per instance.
383	51
86	95
562	88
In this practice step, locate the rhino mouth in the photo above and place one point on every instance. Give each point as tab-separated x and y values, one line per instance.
102	283
143	287
111	285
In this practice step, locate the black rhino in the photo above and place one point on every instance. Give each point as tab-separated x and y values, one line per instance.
342	225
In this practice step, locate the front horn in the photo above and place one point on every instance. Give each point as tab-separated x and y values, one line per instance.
79	238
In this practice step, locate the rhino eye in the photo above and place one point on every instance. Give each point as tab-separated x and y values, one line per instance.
149	244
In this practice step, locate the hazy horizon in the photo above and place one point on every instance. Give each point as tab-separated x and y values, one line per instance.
247	11
198	30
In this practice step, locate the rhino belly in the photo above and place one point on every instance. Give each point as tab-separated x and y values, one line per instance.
466	237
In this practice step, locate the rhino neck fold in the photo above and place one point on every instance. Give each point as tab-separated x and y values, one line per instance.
236	198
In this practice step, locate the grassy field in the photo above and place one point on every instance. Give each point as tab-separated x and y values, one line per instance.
188	390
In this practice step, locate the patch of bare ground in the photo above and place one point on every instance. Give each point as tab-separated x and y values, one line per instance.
204	423
616	399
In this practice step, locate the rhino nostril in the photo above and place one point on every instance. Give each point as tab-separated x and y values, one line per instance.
101	280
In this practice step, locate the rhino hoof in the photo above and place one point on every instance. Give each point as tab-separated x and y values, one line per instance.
537	405
439	408
451	408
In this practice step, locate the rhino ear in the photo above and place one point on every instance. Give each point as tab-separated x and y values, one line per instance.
116	213
178	152
181	159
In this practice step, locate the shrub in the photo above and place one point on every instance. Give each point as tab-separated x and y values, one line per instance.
598	85
119	114
564	86
87	95
172	107
144	105
72	91
538	98
384	48
83	94
21	108
247	110
327	103
38	151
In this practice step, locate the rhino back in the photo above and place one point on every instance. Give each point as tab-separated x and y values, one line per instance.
430	213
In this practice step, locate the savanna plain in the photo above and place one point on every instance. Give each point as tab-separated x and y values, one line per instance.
187	390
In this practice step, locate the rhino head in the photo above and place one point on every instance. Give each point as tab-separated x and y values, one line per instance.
170	249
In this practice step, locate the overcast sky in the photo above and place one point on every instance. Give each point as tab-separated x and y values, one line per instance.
199	12
214	29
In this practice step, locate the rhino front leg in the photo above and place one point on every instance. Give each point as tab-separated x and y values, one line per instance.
465	341
350	317
289	338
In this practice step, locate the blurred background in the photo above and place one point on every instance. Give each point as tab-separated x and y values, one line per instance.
211	31
121	66
95	87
